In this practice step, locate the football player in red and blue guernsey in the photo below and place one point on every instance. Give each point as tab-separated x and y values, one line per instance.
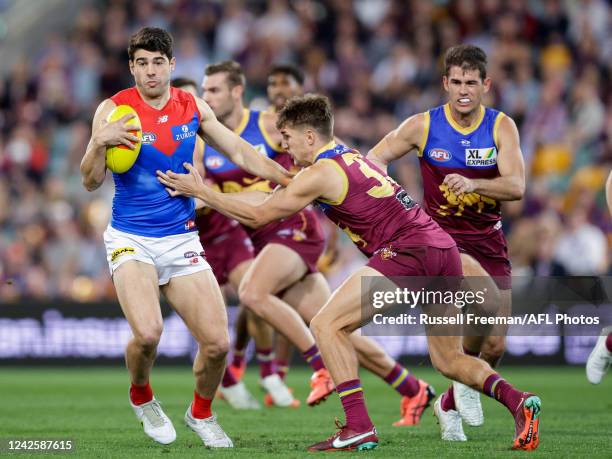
470	161
397	236
152	242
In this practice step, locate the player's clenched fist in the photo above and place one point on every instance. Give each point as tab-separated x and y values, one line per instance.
458	184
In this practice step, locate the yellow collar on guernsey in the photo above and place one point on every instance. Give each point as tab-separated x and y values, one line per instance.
246	114
457	126
328	146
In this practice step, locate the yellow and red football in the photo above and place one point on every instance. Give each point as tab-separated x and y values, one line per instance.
120	158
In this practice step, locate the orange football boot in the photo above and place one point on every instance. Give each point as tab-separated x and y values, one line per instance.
412	408
321	385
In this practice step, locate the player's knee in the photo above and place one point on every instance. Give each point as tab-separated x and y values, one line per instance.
148	336
492	350
317	325
216	349
252	298
446	363
322	324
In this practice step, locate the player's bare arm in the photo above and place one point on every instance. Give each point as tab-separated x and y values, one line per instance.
317	181
406	137
104	134
510	185
238	150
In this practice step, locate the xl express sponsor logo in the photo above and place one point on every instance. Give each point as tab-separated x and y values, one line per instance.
481	157
440	155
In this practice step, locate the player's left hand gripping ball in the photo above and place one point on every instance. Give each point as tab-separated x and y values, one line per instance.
120	158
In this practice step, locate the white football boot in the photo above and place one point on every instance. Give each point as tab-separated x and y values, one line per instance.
600	359
467	401
451	428
155	422
208	430
279	392
239	397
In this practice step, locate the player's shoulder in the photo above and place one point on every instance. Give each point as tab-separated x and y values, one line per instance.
181	96
128	96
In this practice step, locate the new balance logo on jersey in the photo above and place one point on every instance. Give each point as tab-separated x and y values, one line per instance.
481	157
162	119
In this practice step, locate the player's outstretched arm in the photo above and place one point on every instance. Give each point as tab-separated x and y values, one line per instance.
406	137
238	150
310	184
103	135
510	185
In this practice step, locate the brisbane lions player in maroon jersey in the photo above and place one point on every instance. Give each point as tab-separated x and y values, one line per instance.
397	236
288	250
470	161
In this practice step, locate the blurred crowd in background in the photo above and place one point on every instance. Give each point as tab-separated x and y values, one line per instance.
378	60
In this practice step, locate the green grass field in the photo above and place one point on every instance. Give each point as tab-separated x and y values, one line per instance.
90	406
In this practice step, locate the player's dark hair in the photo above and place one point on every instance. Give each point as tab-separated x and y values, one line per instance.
310	110
468	57
232	69
151	39
288	69
180	82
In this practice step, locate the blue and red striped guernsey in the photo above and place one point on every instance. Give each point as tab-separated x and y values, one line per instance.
141	204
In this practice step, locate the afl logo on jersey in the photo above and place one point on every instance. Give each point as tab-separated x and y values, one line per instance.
439	155
148	138
214	162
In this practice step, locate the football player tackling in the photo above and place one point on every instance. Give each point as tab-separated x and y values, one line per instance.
397	236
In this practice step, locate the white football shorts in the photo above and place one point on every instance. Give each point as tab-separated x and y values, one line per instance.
173	256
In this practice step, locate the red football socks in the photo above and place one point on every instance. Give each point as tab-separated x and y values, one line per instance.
140	394
200	408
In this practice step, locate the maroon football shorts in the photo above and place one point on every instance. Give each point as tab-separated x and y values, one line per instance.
421	261
301	233
491	252
227	251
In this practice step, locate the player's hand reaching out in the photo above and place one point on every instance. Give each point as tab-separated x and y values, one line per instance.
458	184
117	132
189	184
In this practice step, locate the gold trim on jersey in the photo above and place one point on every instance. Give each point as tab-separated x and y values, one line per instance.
426	121
266	136
457	127
345	182
328	146
246	115
498	118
